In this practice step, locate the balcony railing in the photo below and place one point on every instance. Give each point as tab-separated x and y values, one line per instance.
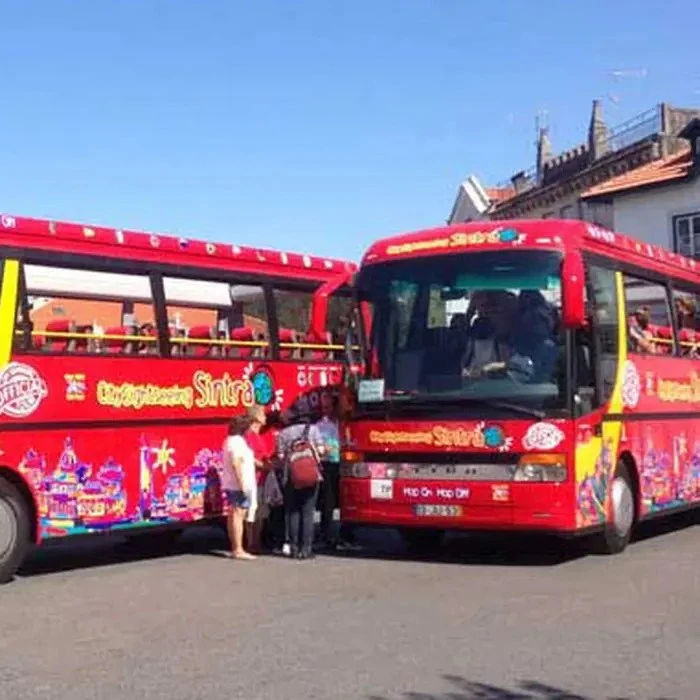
636	129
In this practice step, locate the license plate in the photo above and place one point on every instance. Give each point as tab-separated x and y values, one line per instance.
440	511
382	489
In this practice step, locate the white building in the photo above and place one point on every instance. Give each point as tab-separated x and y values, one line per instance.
639	178
658	202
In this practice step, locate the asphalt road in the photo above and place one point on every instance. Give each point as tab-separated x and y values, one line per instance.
486	618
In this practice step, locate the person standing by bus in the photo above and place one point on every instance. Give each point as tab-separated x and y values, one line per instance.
329	434
238	484
300	503
254	440
274	533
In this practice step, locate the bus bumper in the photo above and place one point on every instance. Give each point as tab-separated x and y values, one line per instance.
458	505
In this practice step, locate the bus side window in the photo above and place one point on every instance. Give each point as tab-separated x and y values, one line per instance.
597	345
247	324
339	323
649	326
63	310
686	307
293	309
212	319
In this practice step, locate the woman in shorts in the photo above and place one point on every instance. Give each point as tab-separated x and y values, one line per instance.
238	484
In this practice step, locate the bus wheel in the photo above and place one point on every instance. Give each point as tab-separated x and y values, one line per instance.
14	530
616	536
422	540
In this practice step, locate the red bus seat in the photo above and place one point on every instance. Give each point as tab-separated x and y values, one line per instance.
62	325
116	345
287	335
665	334
315	353
200	333
243	334
688	338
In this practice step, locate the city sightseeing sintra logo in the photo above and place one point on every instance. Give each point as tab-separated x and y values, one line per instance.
21	390
263	387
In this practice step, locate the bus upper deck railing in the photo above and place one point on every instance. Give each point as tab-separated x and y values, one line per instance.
181	340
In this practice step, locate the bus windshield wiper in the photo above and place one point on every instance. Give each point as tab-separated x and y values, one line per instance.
443	401
516	408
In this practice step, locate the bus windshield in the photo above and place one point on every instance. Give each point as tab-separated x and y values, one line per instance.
481	326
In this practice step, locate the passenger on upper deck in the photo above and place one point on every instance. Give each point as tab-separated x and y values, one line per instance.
641	339
685	317
685	312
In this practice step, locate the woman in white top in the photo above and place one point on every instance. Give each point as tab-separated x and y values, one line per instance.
238	483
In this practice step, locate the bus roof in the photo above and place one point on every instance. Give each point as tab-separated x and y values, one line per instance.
42	234
529	234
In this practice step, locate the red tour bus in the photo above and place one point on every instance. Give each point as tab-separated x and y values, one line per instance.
524	375
122	357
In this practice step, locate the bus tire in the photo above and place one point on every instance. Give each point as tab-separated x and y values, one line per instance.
618	531
15	530
422	539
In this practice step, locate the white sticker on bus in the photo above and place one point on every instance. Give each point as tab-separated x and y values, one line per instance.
382	489
21	390
370	390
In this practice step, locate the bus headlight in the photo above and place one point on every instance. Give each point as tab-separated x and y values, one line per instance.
352	466
541	467
368	470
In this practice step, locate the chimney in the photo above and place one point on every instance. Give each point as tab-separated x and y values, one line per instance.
544	152
597	132
691	132
520	182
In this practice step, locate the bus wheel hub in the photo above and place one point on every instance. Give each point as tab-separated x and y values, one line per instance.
622	506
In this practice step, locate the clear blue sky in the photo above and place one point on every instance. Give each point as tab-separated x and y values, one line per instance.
313	125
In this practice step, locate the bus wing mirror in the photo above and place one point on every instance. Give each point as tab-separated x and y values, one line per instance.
573	284
366	312
319	303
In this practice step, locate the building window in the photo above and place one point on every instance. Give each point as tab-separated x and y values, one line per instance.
686	234
567	212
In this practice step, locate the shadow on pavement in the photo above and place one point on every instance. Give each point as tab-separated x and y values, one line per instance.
475	549
524	690
107	550
506	549
667	525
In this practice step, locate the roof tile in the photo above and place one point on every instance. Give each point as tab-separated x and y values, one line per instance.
674	167
499	194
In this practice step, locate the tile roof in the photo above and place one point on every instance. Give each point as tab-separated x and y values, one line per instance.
674	167
499	194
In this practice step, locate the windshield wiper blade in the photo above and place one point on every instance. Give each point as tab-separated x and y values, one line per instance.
444	401
407	401
516	408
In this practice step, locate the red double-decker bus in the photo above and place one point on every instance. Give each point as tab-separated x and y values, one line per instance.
524	375
122	357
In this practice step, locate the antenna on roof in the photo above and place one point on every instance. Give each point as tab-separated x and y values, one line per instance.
541	122
623	73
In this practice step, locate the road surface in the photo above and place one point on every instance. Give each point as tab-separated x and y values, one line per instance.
486	618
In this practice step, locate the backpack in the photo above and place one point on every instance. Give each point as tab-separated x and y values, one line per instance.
302	463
